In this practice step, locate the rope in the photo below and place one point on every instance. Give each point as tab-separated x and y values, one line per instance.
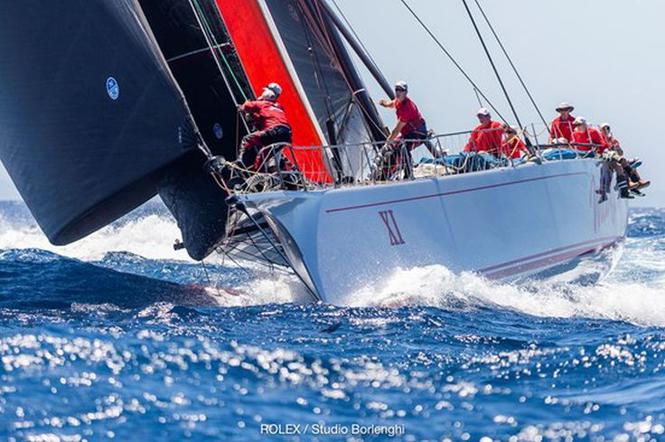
496	71
333	55
207	275
452	59
510	60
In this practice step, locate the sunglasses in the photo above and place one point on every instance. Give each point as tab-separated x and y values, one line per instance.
400	90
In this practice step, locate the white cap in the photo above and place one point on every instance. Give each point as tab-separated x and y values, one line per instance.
484	112
402	85
579	121
605	125
565	106
274	88
268	95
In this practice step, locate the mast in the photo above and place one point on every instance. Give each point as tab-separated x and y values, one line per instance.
361	95
358	49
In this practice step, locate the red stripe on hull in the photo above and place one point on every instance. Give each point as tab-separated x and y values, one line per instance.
263	64
541	264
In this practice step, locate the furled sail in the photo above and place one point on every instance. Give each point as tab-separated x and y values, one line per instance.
90	117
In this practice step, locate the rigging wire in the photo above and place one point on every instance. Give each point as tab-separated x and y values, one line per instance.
204	29
510	60
331	47
480	102
452	59
308	32
496	71
353	31
217	48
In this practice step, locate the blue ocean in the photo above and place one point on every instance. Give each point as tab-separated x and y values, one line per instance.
121	337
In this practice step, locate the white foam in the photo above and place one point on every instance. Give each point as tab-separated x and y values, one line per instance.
436	286
264	287
151	236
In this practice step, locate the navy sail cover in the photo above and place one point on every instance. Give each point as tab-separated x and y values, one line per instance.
89	114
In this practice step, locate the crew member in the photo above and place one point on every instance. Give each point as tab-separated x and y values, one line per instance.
512	147
562	126
586	138
486	137
410	128
589	140
411	125
636	181
271	126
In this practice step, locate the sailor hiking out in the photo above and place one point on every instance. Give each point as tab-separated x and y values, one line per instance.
271	127
586	138
590	142
624	169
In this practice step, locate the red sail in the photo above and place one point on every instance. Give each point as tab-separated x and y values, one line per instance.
263	59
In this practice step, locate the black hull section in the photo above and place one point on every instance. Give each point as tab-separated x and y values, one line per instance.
198	205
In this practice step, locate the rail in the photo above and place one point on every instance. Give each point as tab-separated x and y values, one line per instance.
284	166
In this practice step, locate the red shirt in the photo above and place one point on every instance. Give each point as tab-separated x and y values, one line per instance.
513	147
266	114
590	136
562	128
407	112
612	143
486	138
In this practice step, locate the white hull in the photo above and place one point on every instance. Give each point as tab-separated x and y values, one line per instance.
500	223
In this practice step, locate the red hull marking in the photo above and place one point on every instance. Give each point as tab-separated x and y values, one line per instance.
388	218
549	252
453	192
549	261
263	64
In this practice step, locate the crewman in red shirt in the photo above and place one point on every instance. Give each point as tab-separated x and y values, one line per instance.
410	128
512	147
410	123
636	181
586	138
562	126
486	137
270	123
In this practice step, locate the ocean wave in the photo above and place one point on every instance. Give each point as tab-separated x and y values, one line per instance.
436	286
150	236
135	255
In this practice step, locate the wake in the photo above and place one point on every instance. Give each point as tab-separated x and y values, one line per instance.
435	286
620	298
